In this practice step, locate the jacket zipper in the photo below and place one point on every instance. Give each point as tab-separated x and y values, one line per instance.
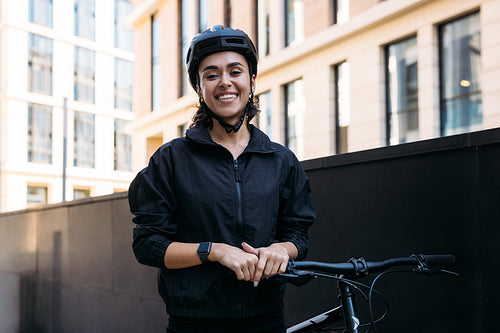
239	216
239	225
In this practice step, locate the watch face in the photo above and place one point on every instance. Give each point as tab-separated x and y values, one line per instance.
204	248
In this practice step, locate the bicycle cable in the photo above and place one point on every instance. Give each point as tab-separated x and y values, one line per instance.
356	285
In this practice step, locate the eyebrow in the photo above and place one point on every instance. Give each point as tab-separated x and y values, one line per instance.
233	64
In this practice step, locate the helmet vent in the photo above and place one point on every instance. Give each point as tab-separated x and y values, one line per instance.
235	41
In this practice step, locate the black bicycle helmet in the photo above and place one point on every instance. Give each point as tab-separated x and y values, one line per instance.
219	39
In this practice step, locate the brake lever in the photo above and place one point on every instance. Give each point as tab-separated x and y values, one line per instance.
295	277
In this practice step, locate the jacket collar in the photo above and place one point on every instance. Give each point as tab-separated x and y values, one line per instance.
259	142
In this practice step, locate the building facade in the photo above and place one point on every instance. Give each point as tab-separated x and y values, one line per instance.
335	76
66	78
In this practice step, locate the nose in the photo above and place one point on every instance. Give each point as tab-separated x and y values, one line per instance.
224	81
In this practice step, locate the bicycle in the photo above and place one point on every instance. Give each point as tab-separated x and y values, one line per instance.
301	272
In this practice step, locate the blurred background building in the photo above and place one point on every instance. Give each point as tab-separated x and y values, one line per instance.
335	76
52	51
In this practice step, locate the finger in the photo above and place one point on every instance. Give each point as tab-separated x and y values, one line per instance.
246	273
271	267
261	265
283	267
247	248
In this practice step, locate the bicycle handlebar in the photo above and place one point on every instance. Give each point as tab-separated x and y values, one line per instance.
361	267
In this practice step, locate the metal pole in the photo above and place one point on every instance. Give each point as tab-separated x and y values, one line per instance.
65	147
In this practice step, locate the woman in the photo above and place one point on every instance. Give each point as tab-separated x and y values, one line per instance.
223	207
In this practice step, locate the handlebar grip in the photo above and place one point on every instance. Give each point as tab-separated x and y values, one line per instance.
439	259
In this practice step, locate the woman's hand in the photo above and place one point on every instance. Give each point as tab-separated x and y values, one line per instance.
242	263
272	259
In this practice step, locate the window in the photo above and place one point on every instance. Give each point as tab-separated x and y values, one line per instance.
84	75
340	11
80	193
123	147
39	133
203	11
460	69
227	13
155	64
263	28
185	10
39	64
264	117
40	12
342	107
36	195
294	22
123	84
402	91
83	140
85	19
294	117
123	35
181	130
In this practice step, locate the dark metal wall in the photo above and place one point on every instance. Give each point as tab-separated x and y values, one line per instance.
433	197
69	267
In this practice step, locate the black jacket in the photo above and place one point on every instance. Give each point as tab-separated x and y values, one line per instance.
193	191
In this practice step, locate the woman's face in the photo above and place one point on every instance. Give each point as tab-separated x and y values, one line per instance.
225	84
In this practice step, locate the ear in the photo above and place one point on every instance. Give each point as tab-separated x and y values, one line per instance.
200	95
252	83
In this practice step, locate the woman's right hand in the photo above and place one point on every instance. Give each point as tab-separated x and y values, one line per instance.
240	262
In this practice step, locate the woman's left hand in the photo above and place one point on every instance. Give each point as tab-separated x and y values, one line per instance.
272	259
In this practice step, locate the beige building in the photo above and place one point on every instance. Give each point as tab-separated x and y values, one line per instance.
52	51
334	75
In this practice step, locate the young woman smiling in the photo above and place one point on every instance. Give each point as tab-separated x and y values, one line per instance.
224	207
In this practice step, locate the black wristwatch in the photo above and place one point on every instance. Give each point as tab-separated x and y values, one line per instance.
204	251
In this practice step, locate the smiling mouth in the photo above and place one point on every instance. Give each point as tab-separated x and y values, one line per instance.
226	97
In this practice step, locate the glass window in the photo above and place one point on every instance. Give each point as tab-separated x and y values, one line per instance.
203	13
294	117
402	91
342	95
36	195
340	11
40	12
263	27
294	22
39	64
123	147
83	140
123	84
155	64
185	44
85	19
264	116
228	21
84	75
39	133
80	193
460	55
123	34
181	130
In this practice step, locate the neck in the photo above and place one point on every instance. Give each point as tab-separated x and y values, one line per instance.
221	136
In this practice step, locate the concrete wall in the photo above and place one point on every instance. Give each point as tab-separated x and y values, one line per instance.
70	268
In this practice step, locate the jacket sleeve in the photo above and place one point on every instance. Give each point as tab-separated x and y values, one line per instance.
152	202
297	211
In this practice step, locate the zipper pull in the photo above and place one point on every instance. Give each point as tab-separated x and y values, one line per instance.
237	177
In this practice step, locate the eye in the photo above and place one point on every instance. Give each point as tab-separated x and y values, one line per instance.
211	76
235	72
